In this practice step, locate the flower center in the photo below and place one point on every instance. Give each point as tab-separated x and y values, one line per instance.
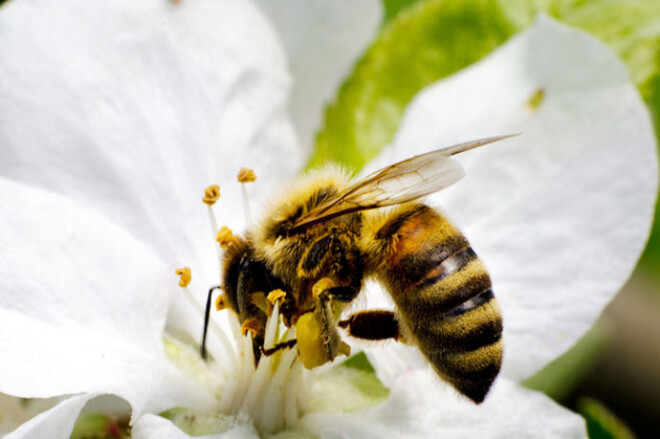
271	391
274	391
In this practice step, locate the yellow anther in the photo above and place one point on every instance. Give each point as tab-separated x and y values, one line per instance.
185	276
211	194
246	175
322	285
251	325
225	237
276	296
220	302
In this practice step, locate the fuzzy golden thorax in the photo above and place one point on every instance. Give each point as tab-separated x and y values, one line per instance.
282	253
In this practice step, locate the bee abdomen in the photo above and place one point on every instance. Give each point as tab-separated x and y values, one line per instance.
444	296
454	317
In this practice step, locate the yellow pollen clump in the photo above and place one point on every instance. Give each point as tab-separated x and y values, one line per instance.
185	274
246	175
275	296
225	237
211	194
220	302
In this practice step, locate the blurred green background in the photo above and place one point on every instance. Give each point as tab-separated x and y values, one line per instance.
612	377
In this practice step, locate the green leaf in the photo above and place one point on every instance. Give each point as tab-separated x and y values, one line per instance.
562	375
393	7
359	362
651	257
425	41
601	423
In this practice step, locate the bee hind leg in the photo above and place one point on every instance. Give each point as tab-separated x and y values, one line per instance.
374	325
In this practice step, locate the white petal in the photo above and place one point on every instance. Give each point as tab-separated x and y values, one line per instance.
420	407
561	213
135	107
55	423
323	40
155	427
83	306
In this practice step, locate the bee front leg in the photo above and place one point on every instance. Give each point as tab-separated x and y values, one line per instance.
375	325
316	330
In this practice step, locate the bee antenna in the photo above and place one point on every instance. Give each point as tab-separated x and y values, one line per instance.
207	315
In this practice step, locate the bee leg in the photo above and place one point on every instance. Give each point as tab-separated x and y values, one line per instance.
325	315
278	347
342	294
374	325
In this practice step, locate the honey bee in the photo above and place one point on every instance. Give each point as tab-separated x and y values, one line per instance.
325	236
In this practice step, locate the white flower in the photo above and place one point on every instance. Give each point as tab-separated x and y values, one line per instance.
113	118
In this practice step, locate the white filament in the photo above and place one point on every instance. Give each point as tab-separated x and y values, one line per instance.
214	233
272	394
246	204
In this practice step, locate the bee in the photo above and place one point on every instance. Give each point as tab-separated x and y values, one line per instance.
326	235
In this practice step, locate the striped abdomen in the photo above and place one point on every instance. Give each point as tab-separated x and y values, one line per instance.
444	296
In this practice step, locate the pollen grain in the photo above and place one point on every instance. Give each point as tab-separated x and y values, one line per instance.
220	302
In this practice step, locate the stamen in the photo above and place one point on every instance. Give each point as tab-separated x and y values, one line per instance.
246	175
220	302
293	396
274	393
225	237
276	296
251	325
186	276
211	194
273	418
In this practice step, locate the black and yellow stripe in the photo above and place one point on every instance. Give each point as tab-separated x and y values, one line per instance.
444	296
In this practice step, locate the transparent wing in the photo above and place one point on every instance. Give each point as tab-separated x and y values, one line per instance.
401	182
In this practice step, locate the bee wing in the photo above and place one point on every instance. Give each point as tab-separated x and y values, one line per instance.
401	182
